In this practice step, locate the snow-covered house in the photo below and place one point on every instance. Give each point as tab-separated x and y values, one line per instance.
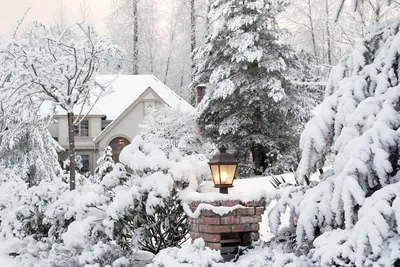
115	118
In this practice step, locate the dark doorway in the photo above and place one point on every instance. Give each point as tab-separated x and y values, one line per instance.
117	144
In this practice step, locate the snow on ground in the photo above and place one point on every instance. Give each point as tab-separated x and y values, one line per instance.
242	187
7	246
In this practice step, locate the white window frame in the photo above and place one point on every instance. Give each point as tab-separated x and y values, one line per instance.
81	129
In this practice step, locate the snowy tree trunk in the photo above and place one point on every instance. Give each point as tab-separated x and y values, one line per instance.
71	141
135	67
312	31
192	26
328	33
207	17
192	31
170	52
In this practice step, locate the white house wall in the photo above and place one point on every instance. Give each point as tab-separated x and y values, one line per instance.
81	142
149	96
128	126
63	131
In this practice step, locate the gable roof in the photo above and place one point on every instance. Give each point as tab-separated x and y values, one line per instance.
120	117
126	89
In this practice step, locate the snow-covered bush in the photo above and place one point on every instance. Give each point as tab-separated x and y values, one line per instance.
98	223
78	163
40	254
74	233
172	127
27	217
148	213
197	255
12	188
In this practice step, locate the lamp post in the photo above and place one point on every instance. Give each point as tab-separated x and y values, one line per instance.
223	168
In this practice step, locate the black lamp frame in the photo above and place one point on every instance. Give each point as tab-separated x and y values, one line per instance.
223	158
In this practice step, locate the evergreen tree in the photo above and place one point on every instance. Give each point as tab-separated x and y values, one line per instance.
28	150
250	104
105	165
351	217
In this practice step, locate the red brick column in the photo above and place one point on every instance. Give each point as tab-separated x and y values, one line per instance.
210	225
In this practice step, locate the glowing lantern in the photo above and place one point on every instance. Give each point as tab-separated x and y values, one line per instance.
223	169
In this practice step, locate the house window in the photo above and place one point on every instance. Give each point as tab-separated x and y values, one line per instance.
148	106
85	163
82	129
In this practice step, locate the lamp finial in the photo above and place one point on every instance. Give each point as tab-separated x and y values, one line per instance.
222	149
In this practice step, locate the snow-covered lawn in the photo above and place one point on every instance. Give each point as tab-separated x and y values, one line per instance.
6	246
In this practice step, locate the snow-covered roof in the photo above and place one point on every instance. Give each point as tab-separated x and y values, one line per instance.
124	91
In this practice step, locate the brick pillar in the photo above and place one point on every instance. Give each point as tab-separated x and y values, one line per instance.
212	227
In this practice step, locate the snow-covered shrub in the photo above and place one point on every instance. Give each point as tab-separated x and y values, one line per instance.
197	255
75	232
78	163
27	216
12	188
40	254
172	127
148	212
76	218
278	164
98	223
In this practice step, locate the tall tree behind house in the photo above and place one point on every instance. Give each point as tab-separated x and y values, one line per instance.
250	104
168	31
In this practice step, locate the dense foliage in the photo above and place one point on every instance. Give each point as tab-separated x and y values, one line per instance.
58	69
137	209
358	122
174	128
251	104
105	165
349	217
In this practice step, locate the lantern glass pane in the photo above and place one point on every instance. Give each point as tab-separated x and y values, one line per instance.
215	174
227	173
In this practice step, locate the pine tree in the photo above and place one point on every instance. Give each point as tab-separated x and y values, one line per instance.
28	149
105	165
249	103
351	217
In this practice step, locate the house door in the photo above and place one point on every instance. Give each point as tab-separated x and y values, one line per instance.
117	144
